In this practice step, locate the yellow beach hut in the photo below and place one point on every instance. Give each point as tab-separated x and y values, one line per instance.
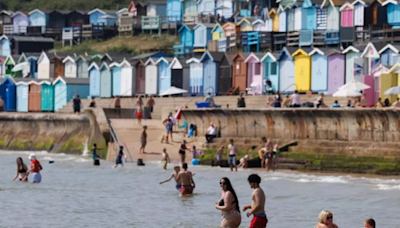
275	19
302	69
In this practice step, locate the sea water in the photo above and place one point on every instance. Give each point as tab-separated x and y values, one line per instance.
74	193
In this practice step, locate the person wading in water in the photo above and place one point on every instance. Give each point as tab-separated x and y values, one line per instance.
257	206
21	170
185	178
229	205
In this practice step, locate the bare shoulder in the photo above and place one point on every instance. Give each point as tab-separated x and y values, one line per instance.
320	225
335	226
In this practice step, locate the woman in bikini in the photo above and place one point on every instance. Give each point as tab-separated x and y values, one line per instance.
21	170
325	220
229	205
182	151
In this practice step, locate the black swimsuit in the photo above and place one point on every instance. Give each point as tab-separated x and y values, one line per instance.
182	149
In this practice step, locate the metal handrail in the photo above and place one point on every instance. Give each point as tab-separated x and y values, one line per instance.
115	139
295	87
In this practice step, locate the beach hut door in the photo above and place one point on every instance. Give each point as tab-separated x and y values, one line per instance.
177	78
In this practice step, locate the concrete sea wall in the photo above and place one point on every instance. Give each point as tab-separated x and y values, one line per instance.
351	140
53	132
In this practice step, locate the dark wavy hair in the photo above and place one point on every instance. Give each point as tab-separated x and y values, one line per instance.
230	189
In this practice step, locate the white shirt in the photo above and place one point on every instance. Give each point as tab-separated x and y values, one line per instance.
211	130
295	99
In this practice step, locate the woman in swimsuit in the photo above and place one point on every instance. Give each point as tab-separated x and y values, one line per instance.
229	205
21	170
182	151
325	220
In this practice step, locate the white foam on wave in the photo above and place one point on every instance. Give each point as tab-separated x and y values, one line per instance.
305	178
388	187
323	179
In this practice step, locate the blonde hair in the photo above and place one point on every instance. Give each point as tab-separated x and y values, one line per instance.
322	217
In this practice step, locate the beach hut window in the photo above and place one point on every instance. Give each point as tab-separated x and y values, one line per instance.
273	68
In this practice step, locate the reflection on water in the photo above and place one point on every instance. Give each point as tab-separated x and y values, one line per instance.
76	194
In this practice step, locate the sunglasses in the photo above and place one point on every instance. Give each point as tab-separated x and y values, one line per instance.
329	217
223	183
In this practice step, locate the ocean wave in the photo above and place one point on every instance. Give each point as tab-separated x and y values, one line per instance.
323	179
388	187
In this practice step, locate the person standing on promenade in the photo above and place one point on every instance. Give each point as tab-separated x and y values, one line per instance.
143	140
139	110
2	108
165	160
185	178
21	170
35	170
151	103
295	99
174	175
257	206
232	154
117	102
241	103
229	205
211	133
369	223
77	105
325	220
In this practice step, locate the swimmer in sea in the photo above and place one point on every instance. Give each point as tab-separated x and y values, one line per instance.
257	206
174	175
35	170
165	160
185	178
95	156
21	170
118	161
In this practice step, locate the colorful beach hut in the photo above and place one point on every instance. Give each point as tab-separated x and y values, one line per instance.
70	70
151	72
351	54
47	96
286	70
215	68
5	46
35	93
105	80
22	96
186	40
239	71
389	55
94	75
65	89
196	76
116	78
336	70
8	94
302	66
319	70
270	70
180	74
140	76
254	73
9	64
164	73
82	66
202	34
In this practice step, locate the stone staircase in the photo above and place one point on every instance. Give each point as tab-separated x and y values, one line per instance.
176	102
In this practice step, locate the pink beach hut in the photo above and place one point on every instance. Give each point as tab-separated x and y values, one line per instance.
254	73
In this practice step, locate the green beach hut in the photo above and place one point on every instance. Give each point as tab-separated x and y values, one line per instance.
47	96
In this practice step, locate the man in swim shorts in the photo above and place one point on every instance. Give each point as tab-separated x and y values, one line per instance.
185	178
174	175
257	206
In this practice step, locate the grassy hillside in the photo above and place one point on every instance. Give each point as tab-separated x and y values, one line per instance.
27	5
122	45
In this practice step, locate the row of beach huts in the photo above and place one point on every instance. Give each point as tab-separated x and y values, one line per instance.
222	25
219	73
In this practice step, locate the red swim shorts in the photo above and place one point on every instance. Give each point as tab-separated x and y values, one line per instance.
258	222
139	115
185	190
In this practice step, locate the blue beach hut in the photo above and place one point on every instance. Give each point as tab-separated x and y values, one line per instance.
174	10
186	40
270	70
5	46
319	70
164	74
22	96
202	34
105	80
47	96
390	55
32	60
38	18
195	76
66	88
211	64
116	78
7	92
94	75
105	17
